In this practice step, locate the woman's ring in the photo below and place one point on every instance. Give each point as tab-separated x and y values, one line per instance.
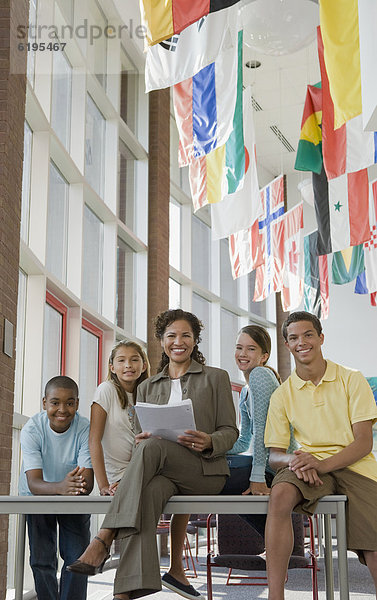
192	445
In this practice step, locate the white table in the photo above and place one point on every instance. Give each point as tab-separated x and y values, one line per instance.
328	505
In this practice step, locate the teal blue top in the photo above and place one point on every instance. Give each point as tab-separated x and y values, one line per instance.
254	403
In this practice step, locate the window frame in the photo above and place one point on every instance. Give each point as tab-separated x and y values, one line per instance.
98	333
61	308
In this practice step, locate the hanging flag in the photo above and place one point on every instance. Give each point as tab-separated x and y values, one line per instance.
175	60
207	178
370	246
269	276
316	281
347	264
340	32
164	18
361	288
348	148
349	210
239	210
204	107
245	251
293	277
309	150
322	211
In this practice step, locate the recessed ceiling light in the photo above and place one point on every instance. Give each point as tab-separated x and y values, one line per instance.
253	64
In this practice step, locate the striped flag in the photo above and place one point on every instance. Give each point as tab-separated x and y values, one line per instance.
269	276
348	148
349	210
208	178
309	150
340	32
245	251
316	280
239	210
173	61
293	278
164	18
370	246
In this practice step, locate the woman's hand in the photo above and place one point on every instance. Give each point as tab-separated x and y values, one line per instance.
196	440
142	436
257	488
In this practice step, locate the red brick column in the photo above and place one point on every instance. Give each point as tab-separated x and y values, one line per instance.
158	214
12	116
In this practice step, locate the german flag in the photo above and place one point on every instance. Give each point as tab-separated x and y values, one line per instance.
164	18
309	151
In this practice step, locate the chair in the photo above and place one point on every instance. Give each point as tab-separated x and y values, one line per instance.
241	547
199	521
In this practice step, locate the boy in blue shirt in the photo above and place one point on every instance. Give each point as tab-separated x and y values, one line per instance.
56	461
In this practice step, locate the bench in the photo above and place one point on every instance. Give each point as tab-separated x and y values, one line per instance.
327	506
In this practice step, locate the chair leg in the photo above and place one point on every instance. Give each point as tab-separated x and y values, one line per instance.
188	555
209	577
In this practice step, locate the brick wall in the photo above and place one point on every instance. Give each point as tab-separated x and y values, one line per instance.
12	115
158	214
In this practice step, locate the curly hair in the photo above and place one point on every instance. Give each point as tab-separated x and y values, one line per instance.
166	318
261	337
114	378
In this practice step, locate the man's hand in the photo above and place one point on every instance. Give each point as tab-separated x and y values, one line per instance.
305	461
310	476
73	483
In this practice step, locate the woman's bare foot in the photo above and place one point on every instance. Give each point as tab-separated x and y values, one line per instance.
96	552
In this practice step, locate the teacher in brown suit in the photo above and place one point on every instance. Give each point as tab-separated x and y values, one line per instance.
160	468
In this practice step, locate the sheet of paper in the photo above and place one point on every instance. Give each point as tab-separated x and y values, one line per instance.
166	420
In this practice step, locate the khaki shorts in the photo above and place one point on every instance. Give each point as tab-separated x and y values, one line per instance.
361	508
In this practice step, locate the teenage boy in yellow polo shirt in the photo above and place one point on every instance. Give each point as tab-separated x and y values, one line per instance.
332	410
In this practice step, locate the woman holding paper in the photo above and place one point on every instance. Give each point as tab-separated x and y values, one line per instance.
160	468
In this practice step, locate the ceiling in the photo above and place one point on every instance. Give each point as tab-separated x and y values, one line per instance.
279	90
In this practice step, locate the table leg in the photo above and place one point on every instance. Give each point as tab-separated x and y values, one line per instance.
329	568
20	558
342	551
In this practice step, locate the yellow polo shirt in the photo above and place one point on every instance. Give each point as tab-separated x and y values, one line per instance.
322	415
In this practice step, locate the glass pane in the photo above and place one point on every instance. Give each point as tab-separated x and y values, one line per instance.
88	370
92	259
57	222
201	308
228	285
174	294
98	43
229	329
128	94
52	344
257	308
20	341
175	235
61	97
94	146
126	178
125	286
200	252
26	174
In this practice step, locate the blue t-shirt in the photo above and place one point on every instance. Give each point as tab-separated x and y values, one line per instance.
55	453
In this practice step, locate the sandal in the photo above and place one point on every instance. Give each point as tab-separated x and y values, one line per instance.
84	568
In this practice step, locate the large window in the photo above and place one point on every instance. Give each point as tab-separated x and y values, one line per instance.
201	308
128	93
92	260
229	330
61	97
26	179
90	364
94	146
125	286
126	187
175	220
174	294
57	224
200	252
228	285
54	339
20	342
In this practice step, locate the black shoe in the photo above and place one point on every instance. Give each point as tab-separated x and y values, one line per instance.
187	591
84	568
